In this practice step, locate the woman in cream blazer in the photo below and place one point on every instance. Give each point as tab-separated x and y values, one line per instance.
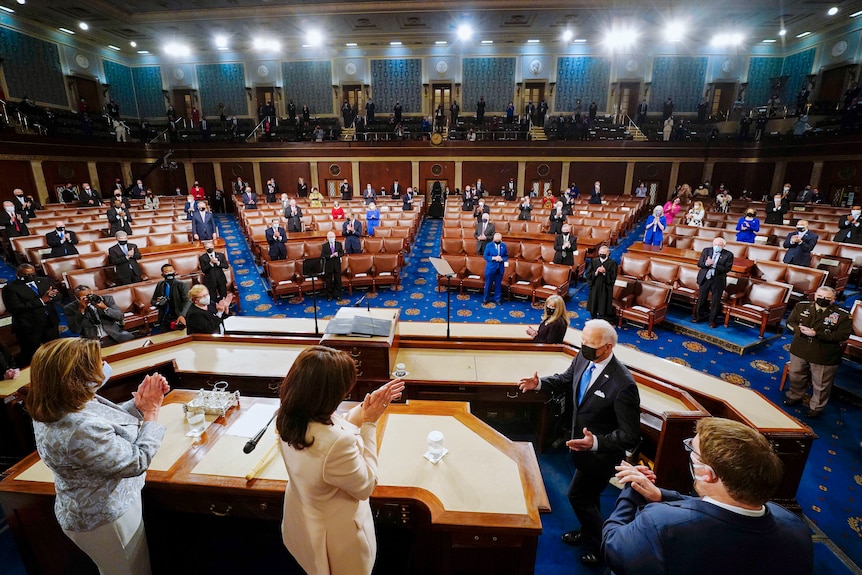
331	464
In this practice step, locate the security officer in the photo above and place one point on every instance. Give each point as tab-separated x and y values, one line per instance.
818	327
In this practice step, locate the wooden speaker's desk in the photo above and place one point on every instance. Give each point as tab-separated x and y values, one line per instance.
482	501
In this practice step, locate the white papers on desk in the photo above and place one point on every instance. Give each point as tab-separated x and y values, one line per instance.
250	422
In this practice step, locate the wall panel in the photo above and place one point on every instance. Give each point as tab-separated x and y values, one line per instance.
222	84
59	173
736	176
491	78
541	171
122	90
493	174
163	182
430	172
680	77
380	174
32	68
108	173
286	175
612	175
308	83
397	80
653	172
798	174
584	77
335	171
148	91
19	174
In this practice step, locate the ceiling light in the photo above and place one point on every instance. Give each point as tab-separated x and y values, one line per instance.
5	9
112	47
769	41
487	41
674	32
21	2
465	32
855	14
782	32
533	41
177	50
143	51
731	39
67	31
568	35
351	44
314	37
83	26
441	42
307	46
803	34
395	43
832	11
221	42
133	44
620	38
261	44
580	40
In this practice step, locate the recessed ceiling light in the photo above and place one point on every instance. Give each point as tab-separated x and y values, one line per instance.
487	41
620	38
307	46
314	37
803	34
266	44
67	31
568	35
133	44
351	44
782	32
178	50
465	32
855	14
769	41
83	26
441	42
395	43
5	9
112	47
221	42
832	11
580	40
533	41
143	51
729	39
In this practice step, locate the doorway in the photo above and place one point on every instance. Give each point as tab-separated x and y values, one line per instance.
182	102
723	95
333	188
441	95
353	94
652	186
89	90
626	103
533	92
264	95
539	187
833	83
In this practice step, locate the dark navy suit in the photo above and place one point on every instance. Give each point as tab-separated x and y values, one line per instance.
800	254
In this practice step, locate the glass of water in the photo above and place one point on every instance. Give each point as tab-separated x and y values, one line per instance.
197	423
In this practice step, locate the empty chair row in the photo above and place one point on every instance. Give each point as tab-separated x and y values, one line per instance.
287	277
534	280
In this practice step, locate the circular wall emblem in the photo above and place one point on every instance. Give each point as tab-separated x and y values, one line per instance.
847	173
436	169
442	66
82	61
179	73
536	67
727	65
67	172
651	171
334	170
350	68
543	170
236	170
263	71
632	66
839	48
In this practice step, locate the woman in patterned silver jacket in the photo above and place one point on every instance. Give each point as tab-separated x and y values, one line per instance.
99	451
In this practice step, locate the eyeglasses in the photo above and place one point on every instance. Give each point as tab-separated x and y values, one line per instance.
686	443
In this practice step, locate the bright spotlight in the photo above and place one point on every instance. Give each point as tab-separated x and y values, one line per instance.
833	11
620	38
568	35
83	26
674	32
782	32
727	40
177	50
221	42
314	37
465	32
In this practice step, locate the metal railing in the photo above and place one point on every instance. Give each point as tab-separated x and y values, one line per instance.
254	131
163	133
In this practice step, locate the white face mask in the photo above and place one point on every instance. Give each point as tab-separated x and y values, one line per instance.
855	213
11	210
205	301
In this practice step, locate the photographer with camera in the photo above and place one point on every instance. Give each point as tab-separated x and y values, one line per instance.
171	297
95	316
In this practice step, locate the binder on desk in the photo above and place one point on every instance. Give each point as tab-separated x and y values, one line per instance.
359	326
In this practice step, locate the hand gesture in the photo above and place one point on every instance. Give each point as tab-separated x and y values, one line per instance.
149	396
531	332
529	383
600	270
376	402
12	373
804	330
641	478
584	444
709	261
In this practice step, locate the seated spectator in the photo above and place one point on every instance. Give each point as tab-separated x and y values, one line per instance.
94	316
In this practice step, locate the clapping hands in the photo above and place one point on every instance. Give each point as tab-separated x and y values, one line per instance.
150	394
376	402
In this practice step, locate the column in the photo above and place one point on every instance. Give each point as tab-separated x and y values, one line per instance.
414	173
564	175
94	175
258	183
708	166
674	177
41	191
816	174
354	177
778	176
315	181
219	181
521	180
127	173
630	177
190	173
459	174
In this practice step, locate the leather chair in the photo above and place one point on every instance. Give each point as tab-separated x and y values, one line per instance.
151	267
548	252
160	239
359	271
690	231
534	227
622	288
371	245
525	277
531	252
698	244
514	250
157	229
604	235
681	242
57	268
382	232
762	303
474	277
124	297
518	227
96	279
853	349
283	279
762	253
295	250
634	266
143	294
685	288
647	304
453	246
710	233
453	231
770	271
399	232
312	249
386	270
838	268
805	282
458	265
186	265
554	281
394	246
97	259
663	272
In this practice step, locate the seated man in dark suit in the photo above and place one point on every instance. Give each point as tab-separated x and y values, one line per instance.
293	215
249	199
213	264
61	241
203	223
351	230
119	218
30	301
124	257
94	316
714	263
276	237
565	246
68	195
799	245
89	197
171	297
731	528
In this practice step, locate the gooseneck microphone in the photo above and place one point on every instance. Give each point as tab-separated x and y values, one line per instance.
252	443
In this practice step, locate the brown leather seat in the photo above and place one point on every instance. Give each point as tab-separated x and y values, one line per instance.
474	277
838	268
770	271
387	269
518	227
634	266
683	243
548	252
458	265
143	294
685	288
763	303
358	271
452	246
124	297
283	279
805	282
554	281
531	252
647	304
57	268
372	245
186	265
853	349
382	232
699	244
514	249
295	250
525	276
393	246
96	279
313	249
759	253
690	231
160	239
622	288
151	267
663	272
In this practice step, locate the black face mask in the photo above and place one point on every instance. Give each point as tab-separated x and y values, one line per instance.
28	277
800	230
589	353
122	242
497	242
210	250
749	215
169	277
823	302
61	229
550	310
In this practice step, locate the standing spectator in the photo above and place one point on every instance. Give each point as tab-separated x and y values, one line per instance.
555	321
667	129
776	209
565	246
61	241
89	197
213	264
96	317
819	328
480	110
695	215
331	253
714	263
723	199
337	212
203	315
198	191
346	114
191	207
850	227
454	110
249	199
667	109
124	257
30	301
642	112
510	113
396	111
351	230
372	218
151	202
596	193
293	216
799	245
203	223
171	298
369	111
747	227
496	255
13	223
671	209
485	230
641	190
556	218
301	188
119	218
655	226
593	110
272	190
407	199
601	276
524	209
346	191
369	194
315	198
239	186
276	237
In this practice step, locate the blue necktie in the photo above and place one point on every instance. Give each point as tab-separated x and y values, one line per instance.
585	382
33	287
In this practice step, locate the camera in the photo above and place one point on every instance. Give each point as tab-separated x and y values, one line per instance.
94	299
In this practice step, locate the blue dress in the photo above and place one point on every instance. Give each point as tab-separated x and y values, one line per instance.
747	235
654	237
372	220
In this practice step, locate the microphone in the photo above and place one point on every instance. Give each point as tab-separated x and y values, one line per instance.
252	443
359	303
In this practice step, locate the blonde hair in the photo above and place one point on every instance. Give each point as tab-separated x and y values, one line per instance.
198	292
559	310
62	375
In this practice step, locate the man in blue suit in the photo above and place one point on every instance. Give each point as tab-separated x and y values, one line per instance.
203	223
351	230
799	245
731	528
496	256
605	424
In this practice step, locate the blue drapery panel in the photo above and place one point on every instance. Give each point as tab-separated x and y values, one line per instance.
122	88
308	83
584	77
797	67
493	78
148	91
397	80
680	77
760	70
32	68
222	84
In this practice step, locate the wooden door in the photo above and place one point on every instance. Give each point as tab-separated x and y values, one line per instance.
263	94
833	83
533	92
332	189
441	94
539	187
353	94
89	90
627	100
723	95
182	101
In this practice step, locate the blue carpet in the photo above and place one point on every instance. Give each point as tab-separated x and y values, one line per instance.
832	481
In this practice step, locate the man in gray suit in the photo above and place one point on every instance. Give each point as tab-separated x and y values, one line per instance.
96	317
484	233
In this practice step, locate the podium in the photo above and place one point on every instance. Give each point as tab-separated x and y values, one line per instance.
374	355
